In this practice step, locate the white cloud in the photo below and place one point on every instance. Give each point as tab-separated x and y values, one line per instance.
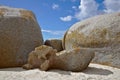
57	32
112	6
87	9
55	6
67	18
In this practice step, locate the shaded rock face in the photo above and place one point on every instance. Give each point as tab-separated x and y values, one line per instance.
55	43
101	32
45	58
19	35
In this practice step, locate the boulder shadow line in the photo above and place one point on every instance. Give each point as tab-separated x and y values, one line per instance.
97	71
17	69
89	70
60	71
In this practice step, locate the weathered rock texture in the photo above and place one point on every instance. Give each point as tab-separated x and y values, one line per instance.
102	32
44	57
76	59
39	56
19	35
55	43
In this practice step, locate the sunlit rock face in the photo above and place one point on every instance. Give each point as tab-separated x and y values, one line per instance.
19	35
76	59
39	57
45	58
101	33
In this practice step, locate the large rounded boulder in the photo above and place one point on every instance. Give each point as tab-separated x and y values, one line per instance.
19	35
101	33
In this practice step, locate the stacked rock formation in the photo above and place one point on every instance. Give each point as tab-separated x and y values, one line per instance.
101	33
19	35
45	57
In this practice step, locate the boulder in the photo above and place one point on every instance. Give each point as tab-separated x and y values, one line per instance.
75	60
39	56
55	43
19	35
100	32
45	58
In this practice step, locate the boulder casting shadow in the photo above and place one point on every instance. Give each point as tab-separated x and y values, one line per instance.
45	58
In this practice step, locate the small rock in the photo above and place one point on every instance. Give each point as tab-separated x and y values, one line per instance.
76	59
55	43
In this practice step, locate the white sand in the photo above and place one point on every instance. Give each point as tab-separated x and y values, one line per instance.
94	72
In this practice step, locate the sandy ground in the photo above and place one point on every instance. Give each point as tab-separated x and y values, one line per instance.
93	72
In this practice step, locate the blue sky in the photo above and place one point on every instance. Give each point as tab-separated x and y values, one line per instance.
56	16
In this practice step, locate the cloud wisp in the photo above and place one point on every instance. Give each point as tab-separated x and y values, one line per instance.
57	32
67	18
55	6
74	7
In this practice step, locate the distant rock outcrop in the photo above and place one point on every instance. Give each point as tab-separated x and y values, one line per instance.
19	35
45	57
55	43
101	32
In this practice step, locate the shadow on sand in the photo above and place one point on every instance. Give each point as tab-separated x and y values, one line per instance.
61	72
97	71
89	70
18	69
